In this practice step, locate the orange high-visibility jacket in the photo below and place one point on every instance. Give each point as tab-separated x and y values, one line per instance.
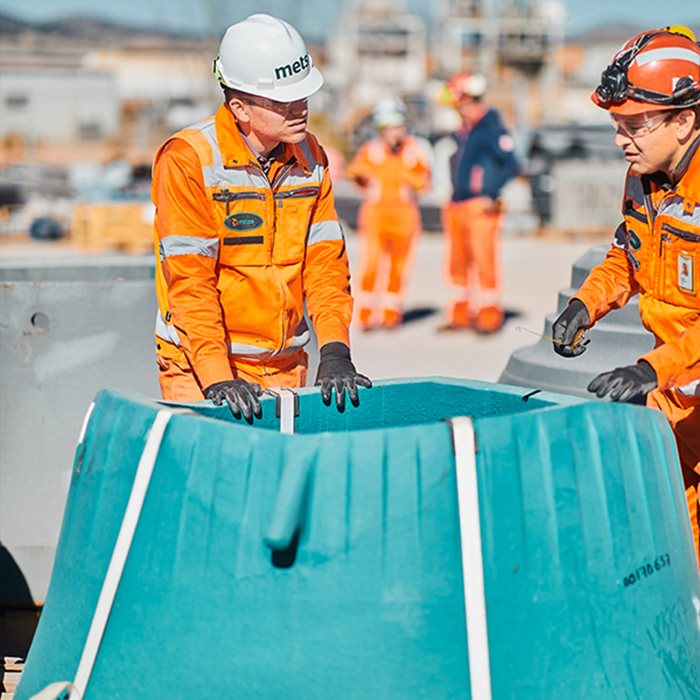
656	253
387	177
238	252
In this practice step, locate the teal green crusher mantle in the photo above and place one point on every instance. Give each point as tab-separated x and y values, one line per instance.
444	539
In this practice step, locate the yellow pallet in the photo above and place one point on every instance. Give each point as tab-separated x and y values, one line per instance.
113	226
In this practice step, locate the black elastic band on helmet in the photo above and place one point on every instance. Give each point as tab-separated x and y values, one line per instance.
685	94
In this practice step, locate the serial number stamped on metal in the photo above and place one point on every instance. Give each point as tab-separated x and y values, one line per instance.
645	570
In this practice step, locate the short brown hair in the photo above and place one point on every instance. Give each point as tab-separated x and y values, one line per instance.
233	94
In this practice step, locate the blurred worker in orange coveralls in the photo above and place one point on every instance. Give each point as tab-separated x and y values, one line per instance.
247	234
652	92
483	163
391	170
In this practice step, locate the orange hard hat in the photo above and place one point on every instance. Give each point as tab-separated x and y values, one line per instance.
655	70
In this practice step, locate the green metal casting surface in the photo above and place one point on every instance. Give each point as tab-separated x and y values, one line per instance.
327	564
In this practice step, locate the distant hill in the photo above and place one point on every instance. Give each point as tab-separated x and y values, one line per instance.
603	33
92	29
10	26
84	29
615	32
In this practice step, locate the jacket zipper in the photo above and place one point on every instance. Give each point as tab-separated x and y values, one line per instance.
258	195
685	235
301	193
227	196
273	185
278	196
655	265
651	211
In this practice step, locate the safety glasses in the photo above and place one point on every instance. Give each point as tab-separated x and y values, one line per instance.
638	125
284	109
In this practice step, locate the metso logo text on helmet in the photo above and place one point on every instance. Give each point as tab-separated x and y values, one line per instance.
286	70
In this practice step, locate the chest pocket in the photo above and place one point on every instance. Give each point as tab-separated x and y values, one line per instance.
294	208
242	224
680	251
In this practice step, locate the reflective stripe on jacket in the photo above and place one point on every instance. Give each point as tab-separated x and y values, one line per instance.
237	256
656	253
388	177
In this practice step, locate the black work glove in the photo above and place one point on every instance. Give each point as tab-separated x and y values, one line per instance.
240	395
336	371
571	320
625	383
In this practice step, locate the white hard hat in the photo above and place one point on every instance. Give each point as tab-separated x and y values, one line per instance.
389	112
265	56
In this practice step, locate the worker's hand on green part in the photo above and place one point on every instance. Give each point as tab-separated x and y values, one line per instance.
240	396
567	329
625	383
336	371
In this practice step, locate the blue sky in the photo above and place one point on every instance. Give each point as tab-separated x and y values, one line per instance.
312	16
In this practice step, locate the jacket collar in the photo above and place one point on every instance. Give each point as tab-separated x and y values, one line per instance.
689	157
488	118
685	178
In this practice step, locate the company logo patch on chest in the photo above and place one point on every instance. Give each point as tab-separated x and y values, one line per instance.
245	221
686	272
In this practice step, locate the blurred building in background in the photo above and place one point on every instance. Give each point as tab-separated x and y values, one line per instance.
42	100
87	89
516	44
96	99
377	48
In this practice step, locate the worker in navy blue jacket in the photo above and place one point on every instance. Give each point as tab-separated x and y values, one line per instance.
483	163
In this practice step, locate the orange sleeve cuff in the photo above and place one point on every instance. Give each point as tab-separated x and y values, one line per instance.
213	370
332	331
587	301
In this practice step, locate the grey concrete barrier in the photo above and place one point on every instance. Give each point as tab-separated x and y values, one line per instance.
68	328
587	195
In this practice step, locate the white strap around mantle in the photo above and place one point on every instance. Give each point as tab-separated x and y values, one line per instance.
119	554
472	558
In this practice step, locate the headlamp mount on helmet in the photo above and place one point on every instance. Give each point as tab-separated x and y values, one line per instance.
615	86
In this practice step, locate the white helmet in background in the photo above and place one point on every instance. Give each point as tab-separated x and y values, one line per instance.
265	56
389	112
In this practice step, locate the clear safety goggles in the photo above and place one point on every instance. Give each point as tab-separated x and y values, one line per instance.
282	108
639	124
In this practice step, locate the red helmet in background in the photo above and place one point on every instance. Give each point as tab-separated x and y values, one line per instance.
463	85
655	70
